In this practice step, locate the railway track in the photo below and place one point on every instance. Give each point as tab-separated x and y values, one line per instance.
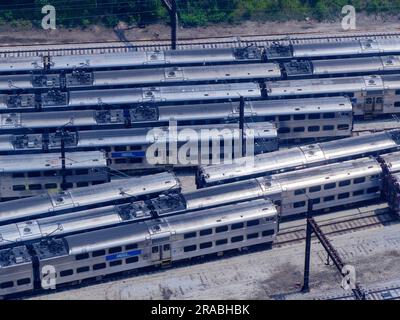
216	42
346	224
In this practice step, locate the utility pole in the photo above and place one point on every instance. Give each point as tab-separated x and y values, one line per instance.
313	227
173	16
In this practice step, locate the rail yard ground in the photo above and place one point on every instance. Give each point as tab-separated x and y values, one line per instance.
267	274
12	36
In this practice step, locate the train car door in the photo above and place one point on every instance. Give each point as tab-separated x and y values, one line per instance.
160	239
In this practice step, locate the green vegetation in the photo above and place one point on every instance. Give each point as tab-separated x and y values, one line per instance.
81	13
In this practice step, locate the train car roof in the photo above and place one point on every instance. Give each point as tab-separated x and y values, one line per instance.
326	86
52	161
115	190
391	161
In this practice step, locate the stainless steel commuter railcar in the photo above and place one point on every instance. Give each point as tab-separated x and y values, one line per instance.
25	176
120	190
131	59
300	157
370	95
295	118
144	244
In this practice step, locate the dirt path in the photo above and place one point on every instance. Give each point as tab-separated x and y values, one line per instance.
9	36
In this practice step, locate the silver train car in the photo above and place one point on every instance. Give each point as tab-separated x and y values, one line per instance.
144	244
327	186
141	77
131	59
391	189
296	119
299	157
333	49
147	148
22	176
371	95
56	99
77	199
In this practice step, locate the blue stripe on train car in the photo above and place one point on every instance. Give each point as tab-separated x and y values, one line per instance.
122	255
128	154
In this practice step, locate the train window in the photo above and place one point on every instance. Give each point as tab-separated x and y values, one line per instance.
368	101
121	161
82	256
135	160
189	235
299	204
269	118
66	273
283	130
379	100
82	269
314	116
299	117
315	189
97	182
99	266
316	201
115	250
237	239
329	115
69	185
358	193
189	248
18	175
221	229
329	198
131	260
166	247
328	128
299	191
359	180
343	127
330	186
373	190
115	263
205	245
221	242
267	233
120	148
344	183
397	92
82	184
252	223
313	128
34	174
397	104
284	118
298	129
35	186
154	249
81	171
344	195
98	253
24	281
18	187
236	226
205	232
252	235
5	285
50	173
50	186
131	246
